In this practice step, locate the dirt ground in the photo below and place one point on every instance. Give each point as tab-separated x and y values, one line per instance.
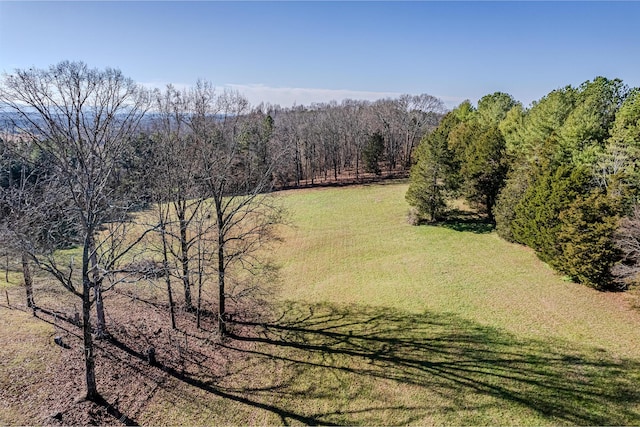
43	382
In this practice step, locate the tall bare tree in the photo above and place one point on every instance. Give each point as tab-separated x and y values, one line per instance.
422	114
83	119
214	165
175	185
245	213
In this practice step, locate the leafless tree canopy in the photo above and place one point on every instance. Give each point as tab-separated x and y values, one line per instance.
214	176
81	120
82	151
326	141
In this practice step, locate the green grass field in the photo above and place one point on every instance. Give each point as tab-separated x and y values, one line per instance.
378	322
354	246
383	323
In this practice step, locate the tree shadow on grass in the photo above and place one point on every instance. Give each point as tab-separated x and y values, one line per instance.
206	385
114	412
465	221
463	370
322	364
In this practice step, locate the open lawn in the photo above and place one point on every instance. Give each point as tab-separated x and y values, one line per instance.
354	246
373	321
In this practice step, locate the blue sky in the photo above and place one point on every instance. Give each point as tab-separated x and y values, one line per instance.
303	52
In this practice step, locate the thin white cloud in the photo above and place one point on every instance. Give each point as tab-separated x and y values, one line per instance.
288	96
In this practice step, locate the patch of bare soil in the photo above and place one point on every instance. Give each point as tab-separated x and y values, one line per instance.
127	377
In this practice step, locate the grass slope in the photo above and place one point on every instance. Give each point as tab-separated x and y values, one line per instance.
377	322
383	323
354	246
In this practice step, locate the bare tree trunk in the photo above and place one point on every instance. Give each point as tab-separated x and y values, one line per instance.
180	209
184	259
167	275
101	324
221	269
201	263
221	294
28	281
89	356
199	308
298	165
172	309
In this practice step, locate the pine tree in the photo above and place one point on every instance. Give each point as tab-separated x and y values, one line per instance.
586	239
537	216
373	152
484	168
434	172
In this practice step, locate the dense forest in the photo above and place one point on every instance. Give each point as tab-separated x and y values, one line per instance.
560	176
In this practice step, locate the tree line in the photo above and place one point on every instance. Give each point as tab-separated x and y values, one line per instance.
331	140
172	186
560	176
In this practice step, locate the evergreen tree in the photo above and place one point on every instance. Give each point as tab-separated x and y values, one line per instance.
541	124
372	153
618	165
537	216
492	109
484	168
511	128
433	173
518	181
587	126
586	239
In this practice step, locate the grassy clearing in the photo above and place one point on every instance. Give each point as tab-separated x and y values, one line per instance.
372	365
378	322
354	246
